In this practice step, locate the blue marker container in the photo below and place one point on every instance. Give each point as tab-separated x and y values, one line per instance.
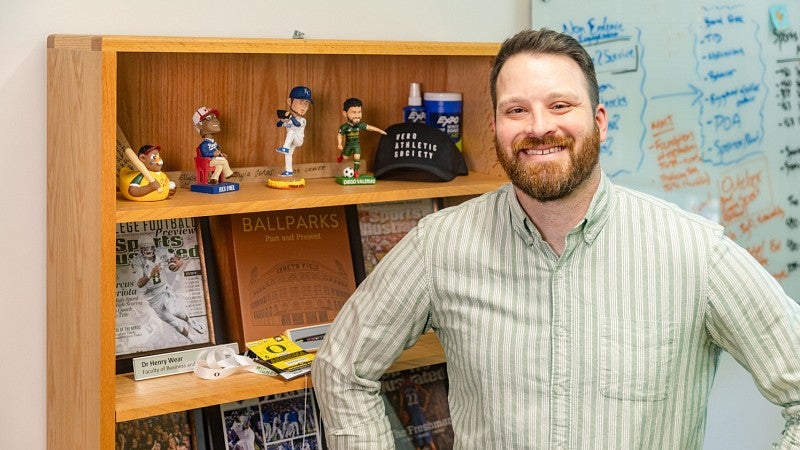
444	113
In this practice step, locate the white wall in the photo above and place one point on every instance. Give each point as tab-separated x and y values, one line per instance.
24	26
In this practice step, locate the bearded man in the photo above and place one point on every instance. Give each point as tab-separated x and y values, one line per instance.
573	313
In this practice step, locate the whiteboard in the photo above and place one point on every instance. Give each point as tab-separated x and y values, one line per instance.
703	101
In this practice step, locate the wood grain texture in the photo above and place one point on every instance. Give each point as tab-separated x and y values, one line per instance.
137	399
159	92
80	380
254	197
178	44
151	86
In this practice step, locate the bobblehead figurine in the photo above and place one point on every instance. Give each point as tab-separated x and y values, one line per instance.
211	165
135	184
349	142
294	121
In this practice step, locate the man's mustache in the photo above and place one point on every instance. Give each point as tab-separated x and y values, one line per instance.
547	141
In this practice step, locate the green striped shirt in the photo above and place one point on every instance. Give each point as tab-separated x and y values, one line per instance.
612	345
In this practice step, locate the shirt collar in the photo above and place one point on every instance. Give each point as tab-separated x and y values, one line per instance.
590	227
599	210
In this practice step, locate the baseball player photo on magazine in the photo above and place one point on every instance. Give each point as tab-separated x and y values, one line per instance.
287	421
416	403
161	288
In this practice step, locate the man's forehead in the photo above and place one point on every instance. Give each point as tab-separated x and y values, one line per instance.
556	73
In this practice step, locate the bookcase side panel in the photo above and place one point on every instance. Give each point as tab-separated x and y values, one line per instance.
80	393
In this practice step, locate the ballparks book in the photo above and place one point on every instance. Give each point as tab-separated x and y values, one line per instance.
382	225
416	404
161	287
283	269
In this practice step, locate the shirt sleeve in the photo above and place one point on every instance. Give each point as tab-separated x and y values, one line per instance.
751	317
387	313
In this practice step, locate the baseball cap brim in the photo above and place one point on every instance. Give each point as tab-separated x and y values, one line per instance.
213	111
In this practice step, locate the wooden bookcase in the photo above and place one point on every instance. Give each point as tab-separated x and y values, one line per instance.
150	86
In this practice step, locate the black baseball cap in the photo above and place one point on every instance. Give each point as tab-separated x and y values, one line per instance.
417	152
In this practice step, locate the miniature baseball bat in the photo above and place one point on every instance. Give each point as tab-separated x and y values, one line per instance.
132	157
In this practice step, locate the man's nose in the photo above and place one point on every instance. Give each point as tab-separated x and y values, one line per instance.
540	123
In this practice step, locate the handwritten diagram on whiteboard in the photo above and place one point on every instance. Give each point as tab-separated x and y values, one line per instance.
703	102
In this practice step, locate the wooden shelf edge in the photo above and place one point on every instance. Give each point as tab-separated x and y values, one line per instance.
182	44
320	192
139	399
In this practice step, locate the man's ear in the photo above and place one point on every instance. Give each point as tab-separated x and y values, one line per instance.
601	119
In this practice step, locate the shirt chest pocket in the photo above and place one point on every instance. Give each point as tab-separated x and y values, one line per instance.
636	359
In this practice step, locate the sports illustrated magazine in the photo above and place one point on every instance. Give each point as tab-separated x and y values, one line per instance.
382	225
161	289
416	403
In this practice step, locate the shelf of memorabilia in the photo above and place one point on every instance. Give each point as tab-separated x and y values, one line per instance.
137	399
319	192
149	87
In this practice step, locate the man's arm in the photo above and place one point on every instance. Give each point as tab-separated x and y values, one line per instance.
205	150
424	397
751	317
339	139
386	314
375	129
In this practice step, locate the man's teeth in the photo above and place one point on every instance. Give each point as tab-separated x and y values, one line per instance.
547	151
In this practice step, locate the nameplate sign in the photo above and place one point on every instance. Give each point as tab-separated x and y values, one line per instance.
172	363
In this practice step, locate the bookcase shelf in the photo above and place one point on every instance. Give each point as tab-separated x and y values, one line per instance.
137	399
255	197
149	87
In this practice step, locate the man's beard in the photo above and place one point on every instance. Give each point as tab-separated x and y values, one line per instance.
548	181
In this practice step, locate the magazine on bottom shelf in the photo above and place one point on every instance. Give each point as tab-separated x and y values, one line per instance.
286	421
168	431
382	225
416	403
162	301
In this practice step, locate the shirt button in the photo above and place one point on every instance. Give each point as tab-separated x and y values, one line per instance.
560	332
558	390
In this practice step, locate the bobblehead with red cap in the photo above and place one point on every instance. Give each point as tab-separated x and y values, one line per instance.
200	115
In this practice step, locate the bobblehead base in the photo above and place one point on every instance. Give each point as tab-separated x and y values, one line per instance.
352	181
292	182
219	188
